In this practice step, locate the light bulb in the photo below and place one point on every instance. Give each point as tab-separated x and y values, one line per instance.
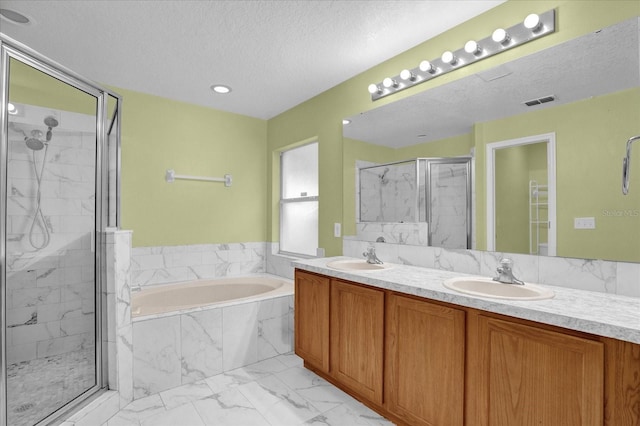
374	88
532	22
346	121
221	89
500	36
389	82
407	75
449	58
426	66
11	108
472	47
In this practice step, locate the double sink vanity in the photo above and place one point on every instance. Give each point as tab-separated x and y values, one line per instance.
431	347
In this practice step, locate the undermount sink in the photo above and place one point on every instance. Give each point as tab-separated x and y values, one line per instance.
356	265
486	287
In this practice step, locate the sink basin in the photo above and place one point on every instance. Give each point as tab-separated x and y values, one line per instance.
486	287
356	265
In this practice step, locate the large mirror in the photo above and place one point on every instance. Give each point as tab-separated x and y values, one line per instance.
547	133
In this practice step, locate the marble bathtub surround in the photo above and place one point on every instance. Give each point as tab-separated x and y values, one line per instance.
119	325
620	278
597	313
183	348
166	264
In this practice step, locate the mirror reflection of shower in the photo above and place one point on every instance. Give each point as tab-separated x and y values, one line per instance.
35	142
626	165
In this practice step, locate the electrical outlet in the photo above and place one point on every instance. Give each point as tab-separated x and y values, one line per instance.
337	230
584	223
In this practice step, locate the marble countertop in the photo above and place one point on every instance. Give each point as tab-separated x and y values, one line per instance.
601	314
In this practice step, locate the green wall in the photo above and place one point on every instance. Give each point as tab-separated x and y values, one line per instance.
321	116
160	134
590	137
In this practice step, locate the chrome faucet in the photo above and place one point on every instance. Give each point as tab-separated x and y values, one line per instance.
370	254
505	273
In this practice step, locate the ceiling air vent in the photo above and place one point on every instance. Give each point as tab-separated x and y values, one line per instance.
539	101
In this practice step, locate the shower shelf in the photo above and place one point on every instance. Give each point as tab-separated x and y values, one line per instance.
171	176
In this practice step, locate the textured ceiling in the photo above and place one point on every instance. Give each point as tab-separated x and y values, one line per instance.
602	62
274	54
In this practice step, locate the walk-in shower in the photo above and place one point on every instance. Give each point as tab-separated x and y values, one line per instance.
58	186
432	193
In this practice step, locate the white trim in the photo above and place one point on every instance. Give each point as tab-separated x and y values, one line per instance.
550	139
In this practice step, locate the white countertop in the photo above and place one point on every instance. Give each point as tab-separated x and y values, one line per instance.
601	314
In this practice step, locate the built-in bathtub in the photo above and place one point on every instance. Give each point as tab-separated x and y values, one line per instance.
185	332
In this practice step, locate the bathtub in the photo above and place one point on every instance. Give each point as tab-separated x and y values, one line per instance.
185	332
192	295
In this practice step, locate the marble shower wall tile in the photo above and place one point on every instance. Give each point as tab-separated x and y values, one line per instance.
164	264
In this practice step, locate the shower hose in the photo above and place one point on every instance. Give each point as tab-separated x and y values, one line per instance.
38	217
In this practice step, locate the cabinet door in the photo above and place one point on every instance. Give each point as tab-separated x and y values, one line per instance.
425	362
357	338
532	376
312	319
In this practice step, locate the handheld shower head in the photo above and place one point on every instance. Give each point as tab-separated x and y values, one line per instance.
626	165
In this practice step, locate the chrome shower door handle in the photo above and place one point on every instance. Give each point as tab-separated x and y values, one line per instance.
625	175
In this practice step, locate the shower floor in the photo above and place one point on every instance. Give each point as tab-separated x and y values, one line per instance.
38	387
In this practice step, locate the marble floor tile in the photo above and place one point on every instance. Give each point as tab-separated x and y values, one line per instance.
275	392
187	393
277	402
229	408
183	415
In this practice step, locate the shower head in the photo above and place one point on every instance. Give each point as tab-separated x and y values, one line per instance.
34	144
50	121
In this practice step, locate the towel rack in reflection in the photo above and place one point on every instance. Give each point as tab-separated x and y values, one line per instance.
171	176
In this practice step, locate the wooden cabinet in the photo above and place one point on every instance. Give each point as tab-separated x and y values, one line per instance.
312	319
424	369
526	375
357	338
420	362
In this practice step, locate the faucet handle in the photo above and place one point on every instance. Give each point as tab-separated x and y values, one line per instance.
506	262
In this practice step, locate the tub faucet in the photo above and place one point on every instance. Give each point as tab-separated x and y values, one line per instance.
370	254
505	273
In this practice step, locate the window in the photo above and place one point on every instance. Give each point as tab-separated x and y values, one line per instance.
299	200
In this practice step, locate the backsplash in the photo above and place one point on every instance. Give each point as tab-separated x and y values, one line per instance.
165	264
592	275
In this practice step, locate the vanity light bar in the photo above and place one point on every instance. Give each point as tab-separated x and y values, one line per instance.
533	27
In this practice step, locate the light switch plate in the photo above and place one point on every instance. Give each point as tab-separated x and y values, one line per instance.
337	229
584	223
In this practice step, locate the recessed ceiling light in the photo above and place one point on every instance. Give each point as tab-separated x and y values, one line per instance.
345	121
220	88
14	17
12	109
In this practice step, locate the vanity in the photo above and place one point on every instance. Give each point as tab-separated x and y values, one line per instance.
420	353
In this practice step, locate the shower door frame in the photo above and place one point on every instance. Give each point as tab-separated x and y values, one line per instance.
466	160
11	49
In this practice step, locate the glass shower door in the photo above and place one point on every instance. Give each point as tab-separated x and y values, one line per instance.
449	202
53	209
